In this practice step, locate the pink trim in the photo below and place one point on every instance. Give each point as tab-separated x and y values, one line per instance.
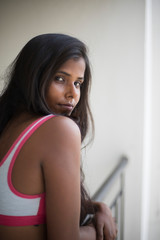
22	220
19	137
16	141
42	206
17	151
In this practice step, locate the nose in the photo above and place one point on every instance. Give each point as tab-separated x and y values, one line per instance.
71	91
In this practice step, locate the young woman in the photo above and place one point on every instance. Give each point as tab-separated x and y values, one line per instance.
44	116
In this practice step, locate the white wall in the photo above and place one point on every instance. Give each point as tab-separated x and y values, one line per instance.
114	33
154	220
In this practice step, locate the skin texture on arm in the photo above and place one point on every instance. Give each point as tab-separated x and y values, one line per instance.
88	233
62	179
61	168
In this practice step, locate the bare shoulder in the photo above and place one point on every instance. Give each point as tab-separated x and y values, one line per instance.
61	126
59	134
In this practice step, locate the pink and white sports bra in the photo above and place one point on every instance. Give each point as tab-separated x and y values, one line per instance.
17	209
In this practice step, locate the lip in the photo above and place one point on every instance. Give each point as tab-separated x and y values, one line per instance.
67	106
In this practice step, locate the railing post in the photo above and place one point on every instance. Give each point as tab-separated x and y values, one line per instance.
122	207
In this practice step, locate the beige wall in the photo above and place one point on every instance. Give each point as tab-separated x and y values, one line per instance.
114	33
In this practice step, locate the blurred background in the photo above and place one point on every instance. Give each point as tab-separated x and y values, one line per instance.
123	39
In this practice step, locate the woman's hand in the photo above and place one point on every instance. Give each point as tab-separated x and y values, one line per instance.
104	222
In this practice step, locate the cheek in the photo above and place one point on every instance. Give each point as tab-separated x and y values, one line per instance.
78	97
55	90
51	94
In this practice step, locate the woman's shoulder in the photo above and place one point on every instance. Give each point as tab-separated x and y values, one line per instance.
59	138
59	128
59	124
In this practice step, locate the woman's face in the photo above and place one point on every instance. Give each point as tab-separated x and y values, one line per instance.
64	90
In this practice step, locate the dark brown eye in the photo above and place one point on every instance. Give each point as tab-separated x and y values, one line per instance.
78	84
59	79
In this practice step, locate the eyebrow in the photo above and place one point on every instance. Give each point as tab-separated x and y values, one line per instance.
67	74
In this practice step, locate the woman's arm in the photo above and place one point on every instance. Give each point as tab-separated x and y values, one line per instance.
87	233
61	168
104	222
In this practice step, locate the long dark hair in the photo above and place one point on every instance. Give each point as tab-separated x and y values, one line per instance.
30	75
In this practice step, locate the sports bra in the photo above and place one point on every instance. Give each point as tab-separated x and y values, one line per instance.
17	209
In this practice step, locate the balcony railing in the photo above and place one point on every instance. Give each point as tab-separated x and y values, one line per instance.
118	201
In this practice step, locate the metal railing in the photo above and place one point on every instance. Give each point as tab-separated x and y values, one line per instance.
117	204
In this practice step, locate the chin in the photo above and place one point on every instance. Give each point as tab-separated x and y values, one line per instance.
62	113
67	114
